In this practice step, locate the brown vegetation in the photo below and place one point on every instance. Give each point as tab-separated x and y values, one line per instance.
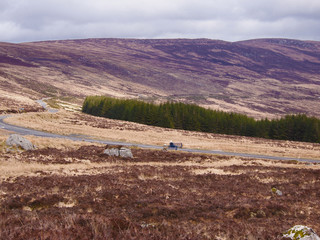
83	194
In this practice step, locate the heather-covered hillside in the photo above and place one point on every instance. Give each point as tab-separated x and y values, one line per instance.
266	77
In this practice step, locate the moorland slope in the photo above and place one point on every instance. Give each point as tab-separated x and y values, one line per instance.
261	78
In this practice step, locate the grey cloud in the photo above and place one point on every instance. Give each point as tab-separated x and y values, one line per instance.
29	20
273	10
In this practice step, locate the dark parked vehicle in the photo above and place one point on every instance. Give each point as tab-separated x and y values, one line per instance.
172	145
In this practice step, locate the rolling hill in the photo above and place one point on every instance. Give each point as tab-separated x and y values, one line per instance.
261	78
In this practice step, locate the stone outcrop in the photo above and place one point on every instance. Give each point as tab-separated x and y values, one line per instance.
18	141
118	152
300	232
112	152
125	152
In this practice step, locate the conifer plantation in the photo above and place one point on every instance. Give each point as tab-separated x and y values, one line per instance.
194	118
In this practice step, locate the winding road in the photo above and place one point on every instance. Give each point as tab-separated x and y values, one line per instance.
28	131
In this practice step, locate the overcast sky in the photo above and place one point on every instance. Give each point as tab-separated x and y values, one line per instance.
230	20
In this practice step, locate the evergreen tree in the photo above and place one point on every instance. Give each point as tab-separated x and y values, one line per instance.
195	118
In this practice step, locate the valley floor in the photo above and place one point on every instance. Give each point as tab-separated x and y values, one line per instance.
71	190
79	124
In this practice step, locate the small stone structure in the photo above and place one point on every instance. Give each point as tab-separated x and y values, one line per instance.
118	151
300	232
18	141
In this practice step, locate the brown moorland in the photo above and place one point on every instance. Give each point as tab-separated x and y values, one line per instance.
261	78
80	193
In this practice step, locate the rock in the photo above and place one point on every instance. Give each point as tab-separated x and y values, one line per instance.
119	151
16	140
125	152
112	152
300	232
276	191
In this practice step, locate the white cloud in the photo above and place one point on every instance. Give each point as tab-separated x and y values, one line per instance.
29	20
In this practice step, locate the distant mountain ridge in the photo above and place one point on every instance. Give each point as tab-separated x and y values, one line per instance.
261	77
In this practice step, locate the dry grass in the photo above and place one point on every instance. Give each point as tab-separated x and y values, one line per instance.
41	142
82	194
13	168
13	165
67	123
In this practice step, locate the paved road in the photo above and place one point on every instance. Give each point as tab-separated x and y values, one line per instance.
45	105
27	131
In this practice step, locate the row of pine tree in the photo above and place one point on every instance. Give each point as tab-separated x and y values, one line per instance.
195	118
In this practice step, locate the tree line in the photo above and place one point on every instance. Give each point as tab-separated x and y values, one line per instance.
195	118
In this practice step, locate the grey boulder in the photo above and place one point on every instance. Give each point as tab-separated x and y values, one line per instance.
300	232
18	141
119	152
112	152
125	152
